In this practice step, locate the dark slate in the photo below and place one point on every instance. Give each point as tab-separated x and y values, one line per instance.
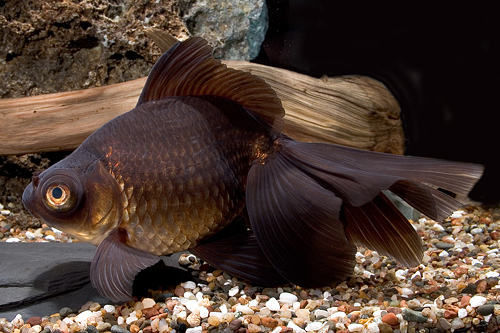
38	279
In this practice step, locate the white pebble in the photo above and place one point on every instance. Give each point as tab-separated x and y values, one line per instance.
50	238
477	300
223	308
407	291
163	326
216	314
109	308
476	231
83	317
120	320
444	254
203	312
132	318
373	328
272	304
12	240
288	298
244	309
476	262
5	212
18	321
37	328
321	313
314	326
379	313
57	231
148	303
196	329
188	285
30	235
277	330
338	314
438	227
355	327
457	214
233	291
295	328
492	274
462	313
192	305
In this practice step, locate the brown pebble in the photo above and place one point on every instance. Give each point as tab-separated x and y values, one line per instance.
495	235
147	329
393	309
460	271
390	318
450	314
269	322
303	304
286	329
150	312
385	328
34	321
481	286
255	320
235	324
179	291
465	301
252	328
134	328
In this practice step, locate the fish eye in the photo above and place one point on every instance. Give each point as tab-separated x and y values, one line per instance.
60	195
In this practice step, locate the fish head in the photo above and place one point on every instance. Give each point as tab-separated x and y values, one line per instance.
81	201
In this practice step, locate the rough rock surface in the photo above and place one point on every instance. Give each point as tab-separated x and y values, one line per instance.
235	28
55	46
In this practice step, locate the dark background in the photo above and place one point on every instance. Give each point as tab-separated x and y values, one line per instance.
440	63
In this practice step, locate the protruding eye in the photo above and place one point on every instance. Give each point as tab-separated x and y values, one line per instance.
60	197
57	195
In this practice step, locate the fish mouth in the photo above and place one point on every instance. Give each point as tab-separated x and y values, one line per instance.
27	199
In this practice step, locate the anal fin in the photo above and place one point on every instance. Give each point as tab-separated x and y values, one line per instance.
115	266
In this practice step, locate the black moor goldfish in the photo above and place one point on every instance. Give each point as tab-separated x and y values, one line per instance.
200	164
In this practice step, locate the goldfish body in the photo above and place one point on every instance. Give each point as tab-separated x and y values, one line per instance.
200	164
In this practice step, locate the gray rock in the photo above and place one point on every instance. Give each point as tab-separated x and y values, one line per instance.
444	246
118	329
236	28
486	309
40	279
412	315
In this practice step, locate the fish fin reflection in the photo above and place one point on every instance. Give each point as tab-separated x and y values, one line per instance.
235	250
115	266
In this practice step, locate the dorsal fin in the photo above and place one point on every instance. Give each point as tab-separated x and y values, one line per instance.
188	68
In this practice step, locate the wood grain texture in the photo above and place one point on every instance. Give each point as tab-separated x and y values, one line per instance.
354	111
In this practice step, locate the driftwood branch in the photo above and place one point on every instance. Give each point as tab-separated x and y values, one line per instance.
354	111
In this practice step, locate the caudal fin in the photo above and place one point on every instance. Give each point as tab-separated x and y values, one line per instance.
310	203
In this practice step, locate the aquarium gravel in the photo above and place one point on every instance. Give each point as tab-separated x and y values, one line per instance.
455	289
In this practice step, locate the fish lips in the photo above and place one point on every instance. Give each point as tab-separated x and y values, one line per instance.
29	200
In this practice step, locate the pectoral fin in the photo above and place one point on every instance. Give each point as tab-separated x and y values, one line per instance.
115	266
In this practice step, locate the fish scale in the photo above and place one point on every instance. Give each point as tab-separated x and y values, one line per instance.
195	202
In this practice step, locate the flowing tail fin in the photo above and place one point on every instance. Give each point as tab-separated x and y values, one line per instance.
310	203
